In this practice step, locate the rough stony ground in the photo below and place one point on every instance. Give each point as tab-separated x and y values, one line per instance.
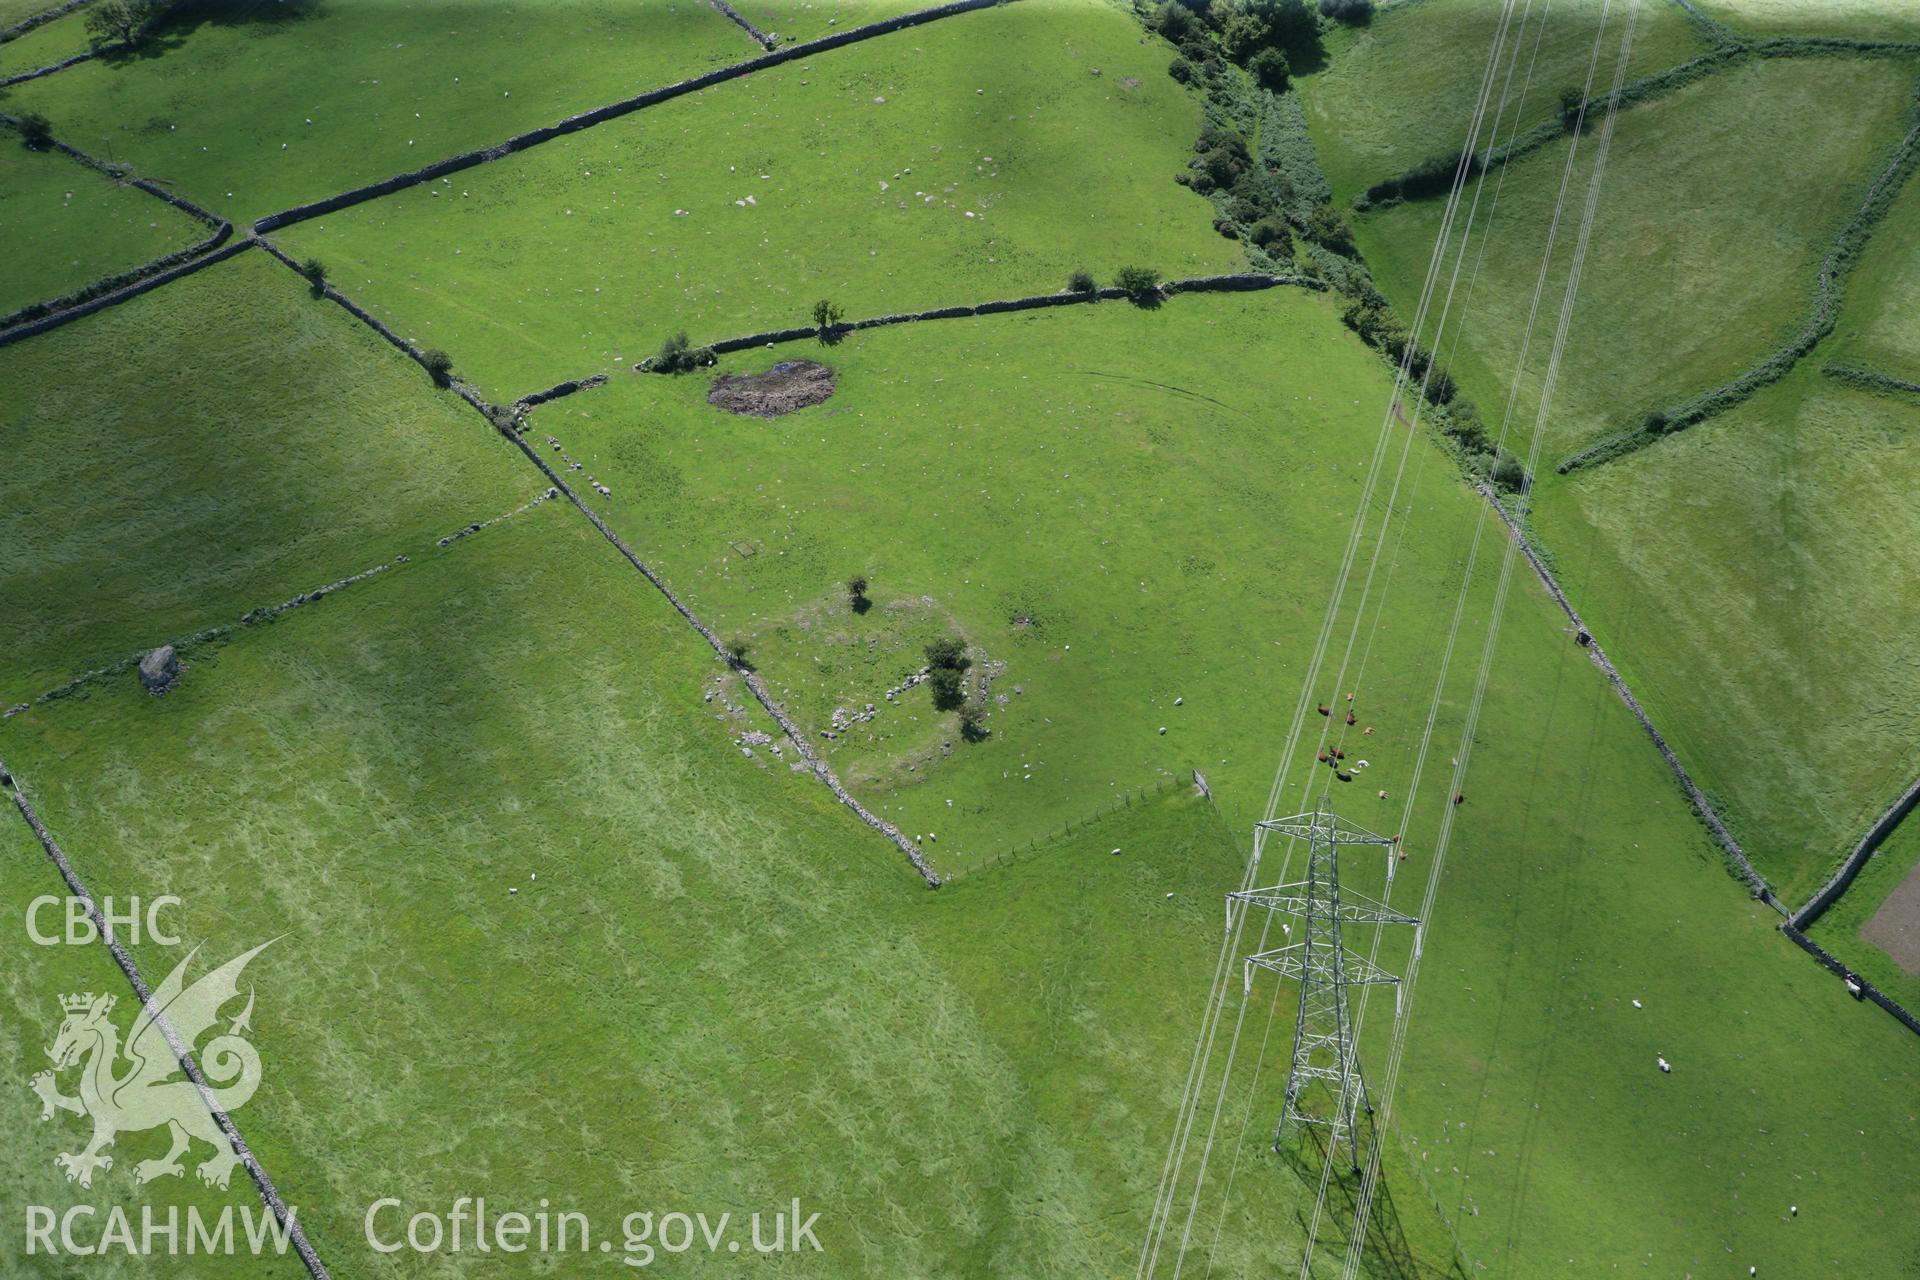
789	385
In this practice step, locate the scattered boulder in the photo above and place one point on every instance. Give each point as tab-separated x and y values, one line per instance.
789	385
159	669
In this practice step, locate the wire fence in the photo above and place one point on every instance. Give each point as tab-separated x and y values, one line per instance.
1040	844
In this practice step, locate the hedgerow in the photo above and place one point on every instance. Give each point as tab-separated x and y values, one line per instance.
1868	380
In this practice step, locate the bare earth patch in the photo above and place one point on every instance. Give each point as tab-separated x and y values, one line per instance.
1895	927
789	385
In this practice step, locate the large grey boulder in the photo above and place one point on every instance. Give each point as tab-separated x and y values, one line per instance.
159	669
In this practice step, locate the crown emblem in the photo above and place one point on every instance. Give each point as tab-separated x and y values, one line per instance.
81	1002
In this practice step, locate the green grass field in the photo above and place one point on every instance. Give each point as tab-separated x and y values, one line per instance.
1684	556
1770	175
1750	578
1074	491
384	770
1402	89
892	175
521	704
250	111
1856	19
30	986
545	930
221	444
809	19
1578	883
65	225
689	484
12	11
45	44
1680	561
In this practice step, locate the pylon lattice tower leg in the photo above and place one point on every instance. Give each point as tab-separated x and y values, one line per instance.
1325	1058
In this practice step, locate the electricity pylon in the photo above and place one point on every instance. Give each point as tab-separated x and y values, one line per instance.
1323	1047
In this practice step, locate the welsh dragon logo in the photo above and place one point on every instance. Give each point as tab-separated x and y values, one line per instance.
125	1089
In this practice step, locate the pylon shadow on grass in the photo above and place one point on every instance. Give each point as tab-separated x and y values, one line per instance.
1386	1253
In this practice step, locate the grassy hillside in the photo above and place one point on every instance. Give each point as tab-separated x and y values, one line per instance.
1578	883
1749	576
371	778
12	11
1728	574
1566	805
65	225
1402	89
31	984
713	959
1117	508
891	175
1721	200
557	918
220	444
252	109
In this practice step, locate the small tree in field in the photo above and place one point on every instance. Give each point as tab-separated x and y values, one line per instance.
948	658
122	22
439	366
1142	285
973	722
36	131
1328	227
857	593
1244	34
316	273
737	650
949	687
1081	282
948	654
826	318
1291	23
